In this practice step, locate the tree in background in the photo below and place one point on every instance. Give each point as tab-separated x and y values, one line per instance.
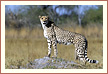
27	15
93	16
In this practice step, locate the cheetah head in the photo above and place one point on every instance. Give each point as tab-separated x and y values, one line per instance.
44	20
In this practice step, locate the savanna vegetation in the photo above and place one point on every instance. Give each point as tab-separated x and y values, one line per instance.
24	40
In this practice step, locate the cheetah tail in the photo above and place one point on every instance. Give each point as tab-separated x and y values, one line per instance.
91	61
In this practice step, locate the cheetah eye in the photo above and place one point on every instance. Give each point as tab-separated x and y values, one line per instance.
42	18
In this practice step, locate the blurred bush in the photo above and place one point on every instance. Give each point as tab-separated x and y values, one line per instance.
27	15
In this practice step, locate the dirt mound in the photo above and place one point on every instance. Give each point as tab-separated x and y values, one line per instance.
50	63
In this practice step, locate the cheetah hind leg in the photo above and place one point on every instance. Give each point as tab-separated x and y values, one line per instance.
76	56
83	61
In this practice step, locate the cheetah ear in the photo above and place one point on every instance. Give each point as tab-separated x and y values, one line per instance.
48	17
39	16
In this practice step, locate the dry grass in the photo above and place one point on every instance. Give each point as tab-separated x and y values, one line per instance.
22	46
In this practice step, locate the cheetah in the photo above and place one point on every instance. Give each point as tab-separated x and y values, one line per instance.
55	35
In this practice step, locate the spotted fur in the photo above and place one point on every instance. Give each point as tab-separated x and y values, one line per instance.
55	35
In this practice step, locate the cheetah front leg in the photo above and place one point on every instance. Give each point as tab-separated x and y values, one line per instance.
49	47
55	48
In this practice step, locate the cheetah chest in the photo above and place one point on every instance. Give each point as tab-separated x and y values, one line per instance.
45	34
